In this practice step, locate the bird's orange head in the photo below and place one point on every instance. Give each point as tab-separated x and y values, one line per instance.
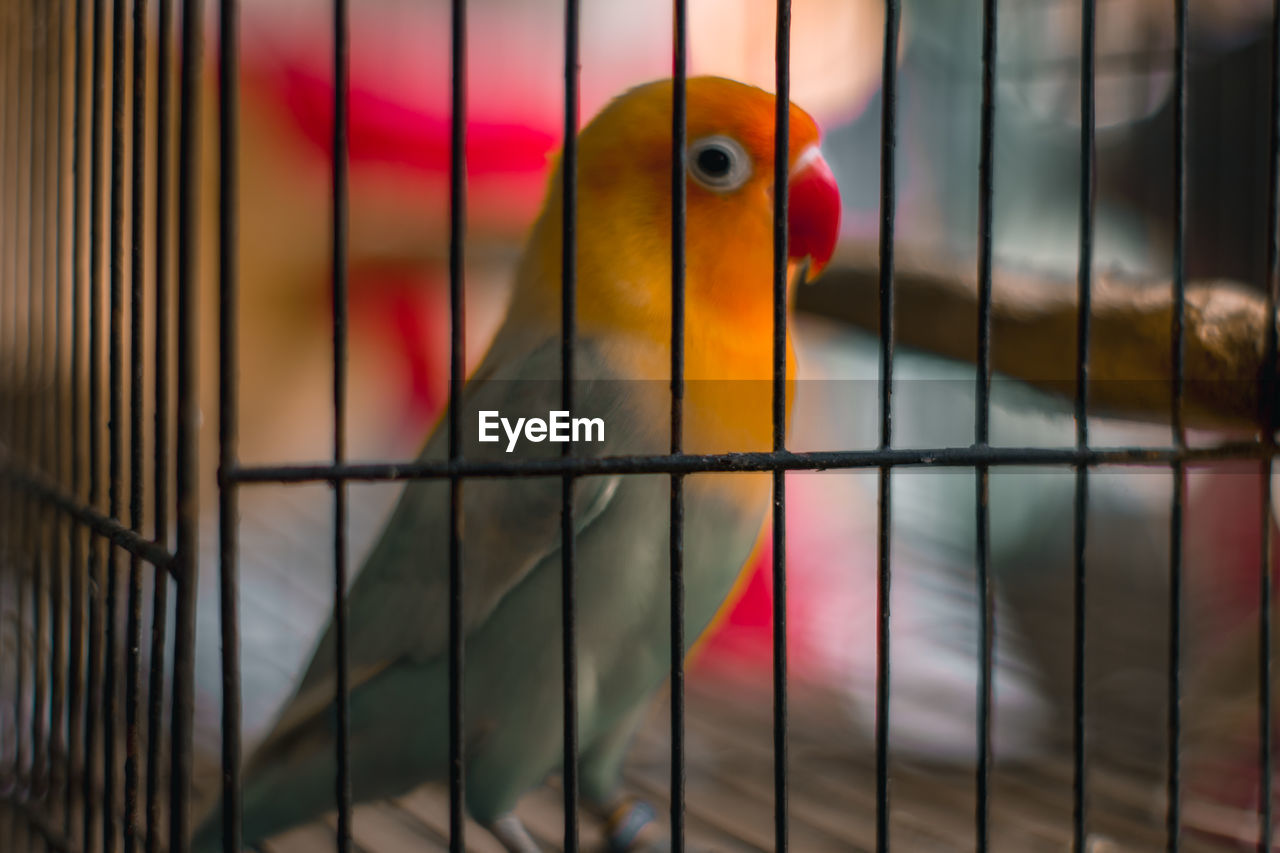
624	211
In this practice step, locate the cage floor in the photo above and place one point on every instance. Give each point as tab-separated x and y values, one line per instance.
730	801
832	793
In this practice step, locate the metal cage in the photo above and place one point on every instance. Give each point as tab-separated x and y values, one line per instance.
76	303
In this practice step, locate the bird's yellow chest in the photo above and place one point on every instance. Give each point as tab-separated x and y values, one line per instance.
728	387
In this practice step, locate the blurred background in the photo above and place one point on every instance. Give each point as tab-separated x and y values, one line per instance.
399	160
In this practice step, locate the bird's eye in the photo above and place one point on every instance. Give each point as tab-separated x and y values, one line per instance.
719	163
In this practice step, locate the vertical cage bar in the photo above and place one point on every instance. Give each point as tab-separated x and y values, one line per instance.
18	539
8	286
8	242
97	582
982	422
9	290
20	437
37	332
14	542
115	423
1265	760
1270	398
679	157
187	436
160	428
25	555
58	426
76	575
37	337
229	414
1178	333
1173	819
338	241
8	261
46	436
884	506
137	284
1084	274
781	171
1079	786
22	150
568	342
457	372
1178	357
9	38
7	123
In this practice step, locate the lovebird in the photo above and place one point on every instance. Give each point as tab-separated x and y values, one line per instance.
510	542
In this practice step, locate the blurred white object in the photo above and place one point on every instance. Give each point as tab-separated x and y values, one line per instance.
935	606
1040	52
836	49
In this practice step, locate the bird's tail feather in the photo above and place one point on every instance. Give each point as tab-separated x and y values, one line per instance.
288	782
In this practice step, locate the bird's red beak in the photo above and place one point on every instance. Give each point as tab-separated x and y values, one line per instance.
813	211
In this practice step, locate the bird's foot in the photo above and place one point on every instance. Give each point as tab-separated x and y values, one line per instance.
511	833
630	827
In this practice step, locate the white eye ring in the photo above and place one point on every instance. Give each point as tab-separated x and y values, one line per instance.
719	163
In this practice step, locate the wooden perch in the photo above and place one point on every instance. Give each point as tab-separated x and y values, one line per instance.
1033	332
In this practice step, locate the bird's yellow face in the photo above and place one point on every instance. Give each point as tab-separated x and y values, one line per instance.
624	213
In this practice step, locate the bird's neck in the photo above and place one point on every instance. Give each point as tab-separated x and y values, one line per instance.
626	308
728	370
